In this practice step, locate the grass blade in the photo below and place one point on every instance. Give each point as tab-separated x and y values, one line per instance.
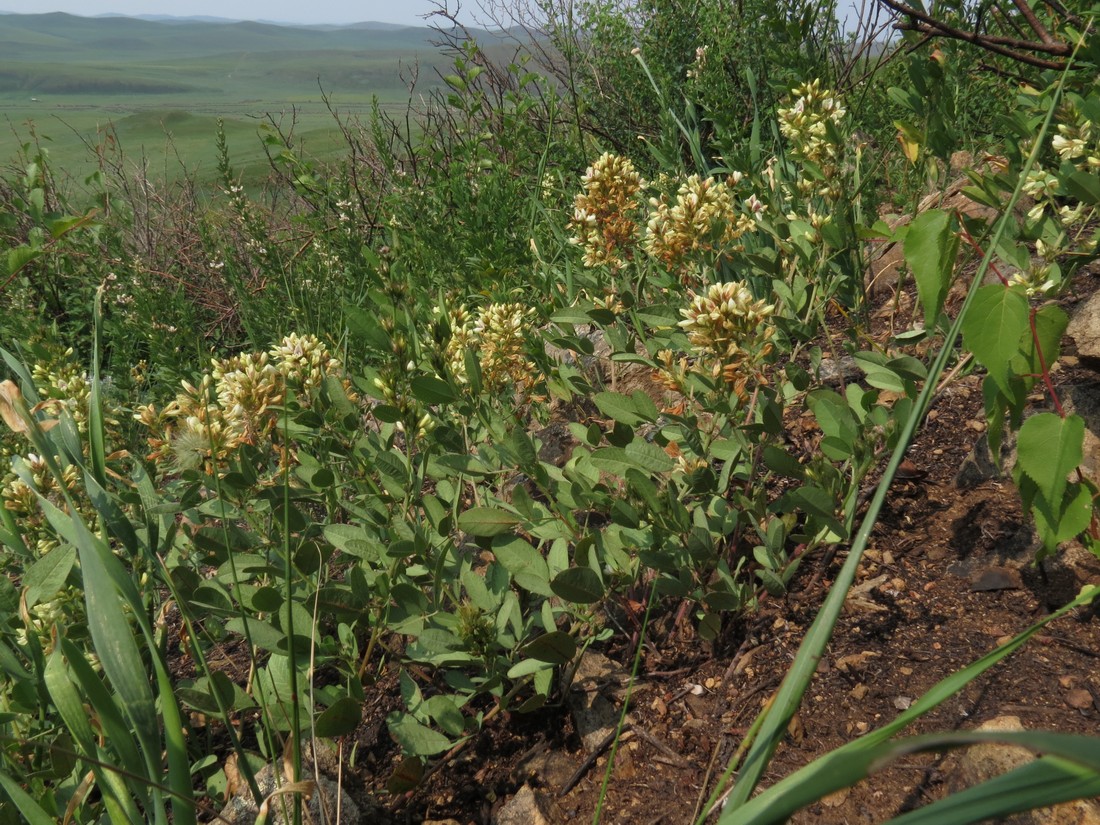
851	762
32	812
1046	781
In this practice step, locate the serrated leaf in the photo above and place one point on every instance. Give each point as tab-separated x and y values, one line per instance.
487	521
930	250
992	329
1070	519
1049	447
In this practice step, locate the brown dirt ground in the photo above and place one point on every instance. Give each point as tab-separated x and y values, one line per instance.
956	578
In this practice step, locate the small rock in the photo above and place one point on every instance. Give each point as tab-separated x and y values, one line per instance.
594	715
241	809
996	578
840	371
859	692
983	762
552	768
1084	329
1080	699
903	702
529	807
836	799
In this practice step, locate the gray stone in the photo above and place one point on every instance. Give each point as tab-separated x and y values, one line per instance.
529	807
1084	329
594	715
983	762
327	799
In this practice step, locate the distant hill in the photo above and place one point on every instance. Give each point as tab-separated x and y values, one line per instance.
69	38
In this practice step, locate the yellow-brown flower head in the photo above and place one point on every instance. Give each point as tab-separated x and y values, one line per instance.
604	214
304	361
501	334
703	221
729	330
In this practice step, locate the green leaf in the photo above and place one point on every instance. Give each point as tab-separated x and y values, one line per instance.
524	562
579	585
432	390
487	521
930	250
1050	325
1069	519
638	455
1049	448
353	540
555	647
414	738
992	330
837	422
47	575
1084	186
445	713
625	410
32	812
366	326
1038	784
340	718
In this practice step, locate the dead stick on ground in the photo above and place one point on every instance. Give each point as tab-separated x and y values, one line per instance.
592	757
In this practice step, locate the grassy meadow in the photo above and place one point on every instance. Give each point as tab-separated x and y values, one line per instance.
160	87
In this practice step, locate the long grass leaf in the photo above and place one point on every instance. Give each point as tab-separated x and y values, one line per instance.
1047	781
853	761
97	452
61	684
794	685
118	735
31	810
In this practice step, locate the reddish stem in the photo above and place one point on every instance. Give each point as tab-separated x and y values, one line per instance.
1043	371
970	240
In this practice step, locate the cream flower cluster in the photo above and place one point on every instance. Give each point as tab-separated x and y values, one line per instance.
234	403
730	332
603	214
805	124
498	335
704	219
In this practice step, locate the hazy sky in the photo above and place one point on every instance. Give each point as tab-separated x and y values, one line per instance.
290	11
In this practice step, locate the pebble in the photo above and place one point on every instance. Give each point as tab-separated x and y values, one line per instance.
1080	699
906	671
859	692
903	702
